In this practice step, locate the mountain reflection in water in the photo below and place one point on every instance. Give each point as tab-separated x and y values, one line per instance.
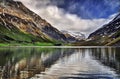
60	63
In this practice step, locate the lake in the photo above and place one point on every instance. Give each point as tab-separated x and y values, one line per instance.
60	63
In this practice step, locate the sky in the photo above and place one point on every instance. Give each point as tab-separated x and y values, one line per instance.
83	16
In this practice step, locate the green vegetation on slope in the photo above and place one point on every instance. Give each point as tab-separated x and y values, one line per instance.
14	37
13	34
26	44
115	41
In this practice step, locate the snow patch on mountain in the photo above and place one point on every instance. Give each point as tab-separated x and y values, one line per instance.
77	35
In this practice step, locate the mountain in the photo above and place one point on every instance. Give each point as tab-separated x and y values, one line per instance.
109	34
19	24
73	36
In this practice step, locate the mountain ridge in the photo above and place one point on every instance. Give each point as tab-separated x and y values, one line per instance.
13	14
73	36
109	34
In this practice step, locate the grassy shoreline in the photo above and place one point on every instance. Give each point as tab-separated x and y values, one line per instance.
26	44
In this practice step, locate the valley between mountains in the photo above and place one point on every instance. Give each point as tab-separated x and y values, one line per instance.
21	26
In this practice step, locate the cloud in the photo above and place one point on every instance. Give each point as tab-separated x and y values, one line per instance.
112	3
63	20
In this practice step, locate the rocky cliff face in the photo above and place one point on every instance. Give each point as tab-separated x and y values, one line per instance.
109	34
18	23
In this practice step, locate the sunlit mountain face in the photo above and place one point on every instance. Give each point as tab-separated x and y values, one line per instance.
84	16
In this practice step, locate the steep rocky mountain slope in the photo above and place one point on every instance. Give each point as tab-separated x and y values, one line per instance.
109	34
18	23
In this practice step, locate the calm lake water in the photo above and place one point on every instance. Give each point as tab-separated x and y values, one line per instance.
60	63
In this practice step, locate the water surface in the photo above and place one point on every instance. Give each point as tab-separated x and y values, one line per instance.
60	63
